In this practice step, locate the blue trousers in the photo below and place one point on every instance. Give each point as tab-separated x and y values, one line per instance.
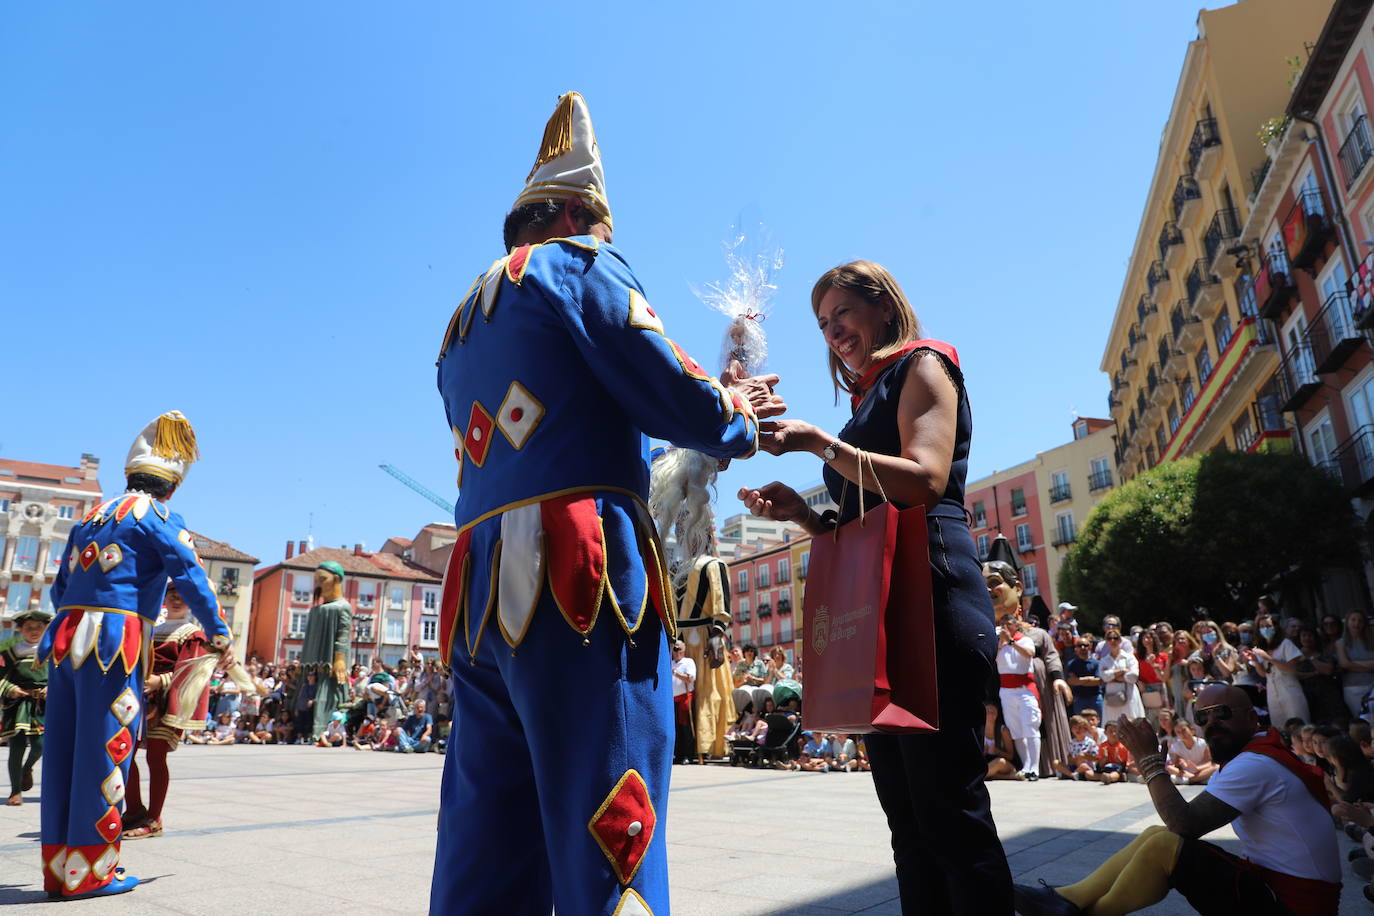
555	782
93	720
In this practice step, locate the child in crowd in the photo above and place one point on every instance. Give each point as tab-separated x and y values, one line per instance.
1364	737
1289	732
999	751
222	734
743	729
243	730
284	730
1094	720
843	753
262	730
1082	762
816	753
1113	760
1166	729
334	732
1190	761
1194	682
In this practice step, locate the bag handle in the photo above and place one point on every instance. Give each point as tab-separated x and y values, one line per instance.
844	489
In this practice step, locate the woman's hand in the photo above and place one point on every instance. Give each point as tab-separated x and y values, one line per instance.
778	437
758	391
776	500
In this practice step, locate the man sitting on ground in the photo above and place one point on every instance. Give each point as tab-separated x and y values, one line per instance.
416	731
1277	805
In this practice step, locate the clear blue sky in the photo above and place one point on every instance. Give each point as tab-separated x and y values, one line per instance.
263	214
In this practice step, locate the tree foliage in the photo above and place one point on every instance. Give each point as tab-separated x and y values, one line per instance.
1215	531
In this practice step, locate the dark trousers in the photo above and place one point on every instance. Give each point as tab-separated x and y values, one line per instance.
948	856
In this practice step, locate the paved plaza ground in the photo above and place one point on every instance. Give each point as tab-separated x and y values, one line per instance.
300	830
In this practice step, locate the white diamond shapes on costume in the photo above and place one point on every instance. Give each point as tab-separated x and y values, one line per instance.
111	557
72	559
76	870
58	862
125	707
491	284
106	863
458	454
522	570
84	636
519	414
113	787
642	315
632	905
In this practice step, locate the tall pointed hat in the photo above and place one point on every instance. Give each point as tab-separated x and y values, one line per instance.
569	162
166	448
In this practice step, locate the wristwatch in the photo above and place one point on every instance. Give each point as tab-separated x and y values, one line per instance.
831	451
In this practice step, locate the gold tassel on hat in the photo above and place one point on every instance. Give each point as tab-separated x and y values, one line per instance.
558	134
175	439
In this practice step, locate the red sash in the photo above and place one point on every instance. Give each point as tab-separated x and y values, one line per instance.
866	381
1269	744
1019	681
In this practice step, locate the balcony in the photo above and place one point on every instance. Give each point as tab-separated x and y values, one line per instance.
980	520
1354	459
1300	379
1333	334
1257	177
1225	387
1112	402
1186	329
1356	151
1133	339
1161	395
1307	229
1060	492
1063	538
1187	199
1205	147
1222	233
1119	382
1156	279
1171	244
1099	480
228	589
1273	287
1204	290
784	606
765	610
1018	509
1266	431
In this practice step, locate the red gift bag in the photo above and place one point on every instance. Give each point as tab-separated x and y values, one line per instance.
869	650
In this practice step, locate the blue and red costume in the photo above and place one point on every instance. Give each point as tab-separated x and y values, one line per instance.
108	592
556	598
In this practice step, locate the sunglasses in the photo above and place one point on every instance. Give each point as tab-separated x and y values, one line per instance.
1113	639
1212	713
1082	645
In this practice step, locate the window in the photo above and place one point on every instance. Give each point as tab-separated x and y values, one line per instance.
744	634
766	631
431	601
1059	486
784	601
4	504
805	562
1030	579
785	629
1321	441
55	549
364	658
1100	476
292	654
1080	429
395	628
298	620
1024	541
984	545
1204	365
1063	527
302	587
362	627
367	594
1018	501
66	511
398	598
742	610
784	570
17	597
744	580
980	515
26	554
1186	393
1173	418
429	631
1161	439
764	579
1221	330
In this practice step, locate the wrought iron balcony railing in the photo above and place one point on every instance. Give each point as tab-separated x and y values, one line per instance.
1357	150
1205	136
1222	233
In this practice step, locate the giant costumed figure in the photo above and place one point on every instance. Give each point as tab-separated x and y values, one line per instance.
108	593
556	599
328	644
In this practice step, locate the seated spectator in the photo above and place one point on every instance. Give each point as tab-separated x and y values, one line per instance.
388	720
816	753
1094	725
743	729
1303	744
1190	762
1166	729
335	734
1195	679
999	751
223	732
843	753
861	754
284	731
1361	732
1113	760
1278	807
777	668
243	729
1352	779
416	732
262	730
1082	762
1290	732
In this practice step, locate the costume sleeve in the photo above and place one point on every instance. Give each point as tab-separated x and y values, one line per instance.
183	567
662	389
59	582
343	627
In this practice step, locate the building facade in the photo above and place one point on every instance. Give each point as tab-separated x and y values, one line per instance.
395	604
766	603
1193	365
39	504
230	572
1009	503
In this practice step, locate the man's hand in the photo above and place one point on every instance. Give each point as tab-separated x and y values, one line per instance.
758	391
1138	735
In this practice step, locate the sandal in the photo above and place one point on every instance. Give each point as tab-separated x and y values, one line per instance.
146	829
15	800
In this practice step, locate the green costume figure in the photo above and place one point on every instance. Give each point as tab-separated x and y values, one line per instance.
23	690
328	644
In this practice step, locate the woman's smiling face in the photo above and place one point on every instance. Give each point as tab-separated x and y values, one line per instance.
852	327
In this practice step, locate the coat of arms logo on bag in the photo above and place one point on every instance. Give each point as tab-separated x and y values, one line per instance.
820	629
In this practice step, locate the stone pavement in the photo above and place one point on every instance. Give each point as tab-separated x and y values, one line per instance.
301	830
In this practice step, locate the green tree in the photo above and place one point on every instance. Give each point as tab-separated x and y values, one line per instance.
1215	531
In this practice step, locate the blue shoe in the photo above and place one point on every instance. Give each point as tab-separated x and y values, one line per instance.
120	885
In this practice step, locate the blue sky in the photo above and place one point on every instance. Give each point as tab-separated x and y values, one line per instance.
262	214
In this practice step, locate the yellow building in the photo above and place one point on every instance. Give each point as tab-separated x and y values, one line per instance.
1188	355
1073	479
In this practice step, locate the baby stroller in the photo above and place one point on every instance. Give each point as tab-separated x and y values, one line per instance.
777	745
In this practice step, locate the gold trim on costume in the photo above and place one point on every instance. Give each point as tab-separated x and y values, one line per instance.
491	603
652	827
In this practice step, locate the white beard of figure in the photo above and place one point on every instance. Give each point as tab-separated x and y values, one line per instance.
680	488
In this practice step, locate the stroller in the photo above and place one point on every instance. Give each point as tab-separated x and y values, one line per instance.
778	745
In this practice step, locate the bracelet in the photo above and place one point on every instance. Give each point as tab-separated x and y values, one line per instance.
1150	759
1159	772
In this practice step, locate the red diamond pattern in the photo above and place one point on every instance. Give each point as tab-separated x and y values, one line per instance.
120	746
110	825
89	555
624	825
477	441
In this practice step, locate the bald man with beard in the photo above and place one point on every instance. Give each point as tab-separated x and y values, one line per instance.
1276	803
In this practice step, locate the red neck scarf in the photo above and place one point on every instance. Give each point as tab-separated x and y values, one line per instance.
1270	745
866	381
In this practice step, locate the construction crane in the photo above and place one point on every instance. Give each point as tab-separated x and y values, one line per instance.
418	487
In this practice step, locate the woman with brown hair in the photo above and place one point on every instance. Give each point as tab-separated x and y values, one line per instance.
911	417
